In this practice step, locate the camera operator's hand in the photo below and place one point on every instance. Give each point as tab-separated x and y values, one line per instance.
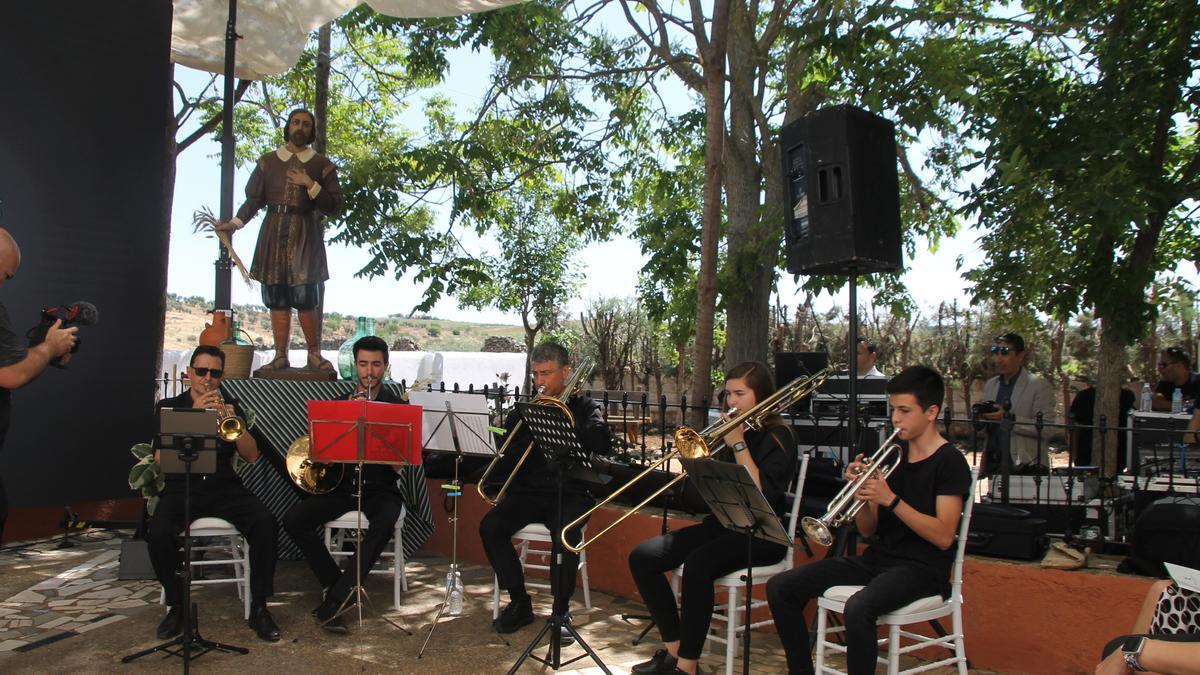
61	341
994	416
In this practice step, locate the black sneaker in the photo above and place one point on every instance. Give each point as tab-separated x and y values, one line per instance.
662	663
513	617
171	624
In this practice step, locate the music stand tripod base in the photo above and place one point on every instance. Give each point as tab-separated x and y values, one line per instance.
555	436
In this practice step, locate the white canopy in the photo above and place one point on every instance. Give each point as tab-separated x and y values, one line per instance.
274	31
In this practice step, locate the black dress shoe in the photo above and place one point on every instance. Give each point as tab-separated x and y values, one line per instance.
517	614
263	623
662	663
327	615
171	624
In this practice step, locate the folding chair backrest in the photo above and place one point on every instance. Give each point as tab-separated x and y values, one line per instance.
797	494
963	527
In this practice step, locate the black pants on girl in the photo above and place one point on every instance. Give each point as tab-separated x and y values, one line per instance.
708	552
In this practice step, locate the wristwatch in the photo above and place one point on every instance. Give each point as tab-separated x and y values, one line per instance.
1132	648
739	446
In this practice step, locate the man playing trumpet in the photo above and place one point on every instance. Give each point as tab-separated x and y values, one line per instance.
381	502
219	495
914	515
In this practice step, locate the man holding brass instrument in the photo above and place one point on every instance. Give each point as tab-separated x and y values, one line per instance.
381	502
220	495
914	514
531	497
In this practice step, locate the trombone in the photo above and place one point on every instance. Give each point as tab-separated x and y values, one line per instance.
844	506
694	444
574	384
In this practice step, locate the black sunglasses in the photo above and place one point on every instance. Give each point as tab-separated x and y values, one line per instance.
1001	350
215	372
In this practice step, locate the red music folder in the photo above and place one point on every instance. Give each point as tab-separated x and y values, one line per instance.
390	432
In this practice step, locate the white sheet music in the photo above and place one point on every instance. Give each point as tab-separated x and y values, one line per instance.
471	416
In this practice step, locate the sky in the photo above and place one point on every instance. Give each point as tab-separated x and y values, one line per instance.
609	269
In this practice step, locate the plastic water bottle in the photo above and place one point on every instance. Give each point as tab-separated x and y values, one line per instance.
1146	396
1177	401
455	584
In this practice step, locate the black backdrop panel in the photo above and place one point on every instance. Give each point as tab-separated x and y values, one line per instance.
83	139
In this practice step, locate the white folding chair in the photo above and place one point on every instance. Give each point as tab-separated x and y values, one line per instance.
539	533
233	550
340	530
919	611
732	612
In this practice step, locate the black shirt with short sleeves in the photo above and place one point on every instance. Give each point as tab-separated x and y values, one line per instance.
12	351
773	449
919	484
1190	388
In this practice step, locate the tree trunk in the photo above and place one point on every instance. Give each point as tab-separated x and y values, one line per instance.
1108	394
706	283
752	238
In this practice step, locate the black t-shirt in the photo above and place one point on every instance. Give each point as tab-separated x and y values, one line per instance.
536	474
919	484
12	350
1190	388
225	450
773	450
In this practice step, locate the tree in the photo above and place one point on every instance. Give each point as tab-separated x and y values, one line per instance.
1085	123
533	275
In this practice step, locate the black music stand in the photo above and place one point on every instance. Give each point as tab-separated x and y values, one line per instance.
556	438
362	428
454	488
180	435
738	504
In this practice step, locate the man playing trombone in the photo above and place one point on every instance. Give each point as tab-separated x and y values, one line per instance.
531	496
219	495
381	502
914	516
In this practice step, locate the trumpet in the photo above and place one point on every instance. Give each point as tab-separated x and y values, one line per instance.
574	384
844	506
230	427
694	444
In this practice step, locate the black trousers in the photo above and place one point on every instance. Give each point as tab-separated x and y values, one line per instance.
516	511
305	522
886	588
708	552
219	499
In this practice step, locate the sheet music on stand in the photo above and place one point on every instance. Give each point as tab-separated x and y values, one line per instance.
735	499
471	416
555	436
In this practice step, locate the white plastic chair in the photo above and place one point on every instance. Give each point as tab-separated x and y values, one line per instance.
341	530
732	612
537	532
919	611
232	548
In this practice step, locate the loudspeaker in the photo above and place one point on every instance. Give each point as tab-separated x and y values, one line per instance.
843	208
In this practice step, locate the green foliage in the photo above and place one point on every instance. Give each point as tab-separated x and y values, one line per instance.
1089	154
146	475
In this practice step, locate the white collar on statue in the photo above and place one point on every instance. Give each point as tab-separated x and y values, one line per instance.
304	155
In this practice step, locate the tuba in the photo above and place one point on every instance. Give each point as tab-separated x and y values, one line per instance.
844	506
694	444
574	384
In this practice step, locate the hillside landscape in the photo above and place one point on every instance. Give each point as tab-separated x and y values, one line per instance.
187	316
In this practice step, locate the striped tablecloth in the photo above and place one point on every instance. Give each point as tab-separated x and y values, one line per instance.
281	416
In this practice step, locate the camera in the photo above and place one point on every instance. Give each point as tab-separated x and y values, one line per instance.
983	408
78	313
